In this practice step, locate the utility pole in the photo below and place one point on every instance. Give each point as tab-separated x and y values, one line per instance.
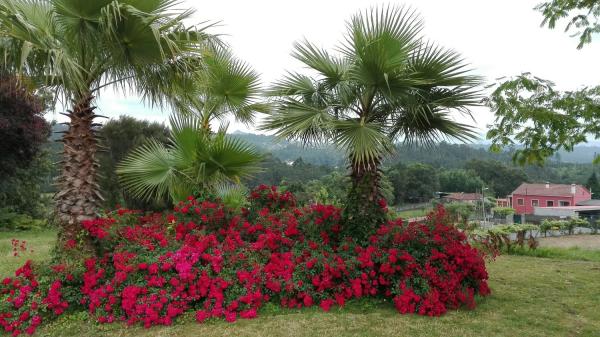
483	203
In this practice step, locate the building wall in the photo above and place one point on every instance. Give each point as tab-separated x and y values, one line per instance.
527	208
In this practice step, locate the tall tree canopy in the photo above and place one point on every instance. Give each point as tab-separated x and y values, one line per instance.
386	82
22	126
77	48
460	180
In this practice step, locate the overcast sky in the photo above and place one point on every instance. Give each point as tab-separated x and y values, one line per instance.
498	37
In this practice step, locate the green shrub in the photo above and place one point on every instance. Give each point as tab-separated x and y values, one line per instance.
498	238
503	212
10	220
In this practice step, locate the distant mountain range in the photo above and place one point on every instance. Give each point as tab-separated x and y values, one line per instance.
443	154
330	156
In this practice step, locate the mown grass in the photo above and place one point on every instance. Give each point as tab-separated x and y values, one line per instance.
531	297
572	253
413	213
38	246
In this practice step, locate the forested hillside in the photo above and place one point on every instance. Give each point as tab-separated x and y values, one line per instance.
319	172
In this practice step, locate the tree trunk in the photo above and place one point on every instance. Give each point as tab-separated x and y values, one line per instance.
78	197
362	212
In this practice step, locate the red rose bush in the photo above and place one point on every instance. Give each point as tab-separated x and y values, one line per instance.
226	263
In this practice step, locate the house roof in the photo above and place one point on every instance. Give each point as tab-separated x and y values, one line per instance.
591	202
464	196
548	189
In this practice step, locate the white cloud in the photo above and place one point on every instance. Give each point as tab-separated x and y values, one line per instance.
498	37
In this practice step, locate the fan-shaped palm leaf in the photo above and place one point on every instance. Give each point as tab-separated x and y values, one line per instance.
195	160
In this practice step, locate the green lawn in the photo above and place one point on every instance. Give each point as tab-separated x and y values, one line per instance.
413	213
38	245
531	297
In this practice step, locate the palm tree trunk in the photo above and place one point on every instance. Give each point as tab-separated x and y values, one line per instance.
78	197
362	212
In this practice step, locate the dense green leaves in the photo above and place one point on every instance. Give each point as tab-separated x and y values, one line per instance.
194	161
531	112
460	180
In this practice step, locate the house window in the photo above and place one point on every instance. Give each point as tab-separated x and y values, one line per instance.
550	203
564	203
520	202
535	203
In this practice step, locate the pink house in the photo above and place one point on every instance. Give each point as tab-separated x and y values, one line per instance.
528	196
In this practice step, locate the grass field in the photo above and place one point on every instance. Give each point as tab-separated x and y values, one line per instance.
413	213
38	244
531	297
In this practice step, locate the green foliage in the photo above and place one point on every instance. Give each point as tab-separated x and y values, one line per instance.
501	179
460	211
194	161
503	212
499	238
594	185
276	172
232	196
329	189
560	119
23	129
375	91
228	87
565	226
361	215
460	180
413	183
118	138
583	17
10	220
21	192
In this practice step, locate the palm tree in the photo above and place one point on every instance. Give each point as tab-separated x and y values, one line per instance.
385	83
228	88
77	48
196	160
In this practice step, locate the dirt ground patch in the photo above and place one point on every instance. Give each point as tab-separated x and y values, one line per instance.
581	241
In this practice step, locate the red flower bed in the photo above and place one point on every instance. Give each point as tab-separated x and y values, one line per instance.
226	263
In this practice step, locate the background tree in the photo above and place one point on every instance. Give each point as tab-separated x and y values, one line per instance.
386	83
23	128
77	48
531	112
460	211
460	180
413	183
24	163
583	17
499	178
594	185
118	138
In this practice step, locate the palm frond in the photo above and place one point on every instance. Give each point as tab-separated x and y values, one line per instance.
331	68
196	159
299	121
365	143
149	172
